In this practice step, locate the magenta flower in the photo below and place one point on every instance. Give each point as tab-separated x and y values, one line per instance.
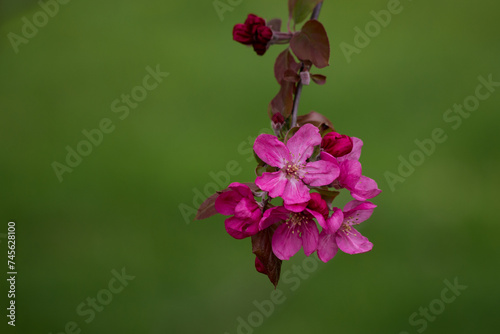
340	233
240	203
350	178
355	153
295	173
296	229
253	32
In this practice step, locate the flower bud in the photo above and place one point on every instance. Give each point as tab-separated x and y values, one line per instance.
318	204
277	122
253	32
336	144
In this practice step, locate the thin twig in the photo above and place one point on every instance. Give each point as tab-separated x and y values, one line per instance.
298	92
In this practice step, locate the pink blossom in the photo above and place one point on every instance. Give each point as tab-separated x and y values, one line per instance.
296	229
340	233
361	187
290	182
240	203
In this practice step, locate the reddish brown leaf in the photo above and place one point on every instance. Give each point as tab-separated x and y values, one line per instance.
274	24
315	118
262	248
285	62
312	44
291	76
283	101
252	186
207	208
318	78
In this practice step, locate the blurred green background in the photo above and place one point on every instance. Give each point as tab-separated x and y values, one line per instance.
119	208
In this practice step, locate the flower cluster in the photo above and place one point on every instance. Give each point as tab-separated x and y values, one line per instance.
303	180
302	167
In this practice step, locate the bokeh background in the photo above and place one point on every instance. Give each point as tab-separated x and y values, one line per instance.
119	208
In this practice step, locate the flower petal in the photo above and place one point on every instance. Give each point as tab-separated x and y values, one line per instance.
334	222
357	212
328	157
260	266
319	217
353	242
320	173
327	246
236	227
272	151
272	216
245	209
318	204
226	202
242	189
350	172
295	192
299	207
357	144
366	188
310	235
301	145
274	183
286	242
242	34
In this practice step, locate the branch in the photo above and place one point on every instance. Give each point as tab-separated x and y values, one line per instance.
314	16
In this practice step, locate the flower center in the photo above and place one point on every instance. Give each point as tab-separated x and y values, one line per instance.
296	219
292	170
347	224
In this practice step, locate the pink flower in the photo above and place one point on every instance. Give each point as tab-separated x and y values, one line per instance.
336	144
350	178
295	172
240	203
296	229
355	153
340	233
253	32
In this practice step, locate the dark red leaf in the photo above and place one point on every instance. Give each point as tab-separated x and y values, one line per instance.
262	248
315	118
283	102
207	208
312	44
291	76
274	24
253	187
285	62
318	78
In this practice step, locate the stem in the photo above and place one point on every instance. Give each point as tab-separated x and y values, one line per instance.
296	100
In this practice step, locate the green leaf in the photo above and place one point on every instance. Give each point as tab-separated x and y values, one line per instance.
301	9
312	44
